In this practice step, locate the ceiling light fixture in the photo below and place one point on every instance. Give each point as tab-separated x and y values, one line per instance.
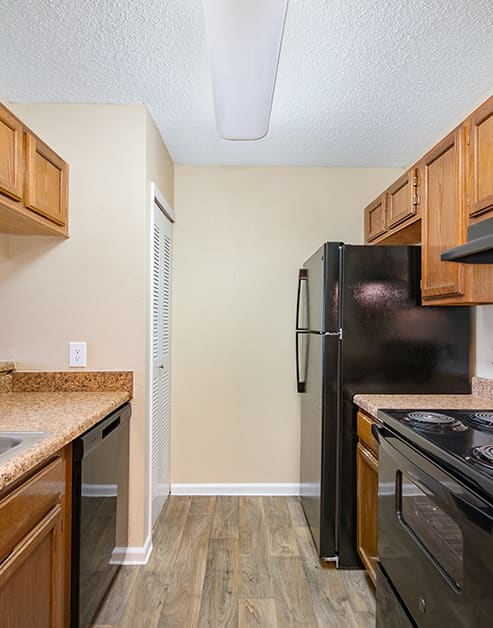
244	40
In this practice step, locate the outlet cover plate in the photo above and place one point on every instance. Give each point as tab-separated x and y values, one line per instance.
77	354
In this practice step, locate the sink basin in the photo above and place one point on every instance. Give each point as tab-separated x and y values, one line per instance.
7	442
13	443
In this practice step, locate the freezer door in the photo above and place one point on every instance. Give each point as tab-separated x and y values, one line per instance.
391	343
317	303
310	310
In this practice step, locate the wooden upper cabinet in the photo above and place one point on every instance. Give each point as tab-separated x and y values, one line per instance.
402	199
441	175
375	224
33	182
479	128
46	189
393	217
11	168
450	188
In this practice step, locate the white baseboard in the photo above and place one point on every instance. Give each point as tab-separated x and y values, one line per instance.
132	555
236	489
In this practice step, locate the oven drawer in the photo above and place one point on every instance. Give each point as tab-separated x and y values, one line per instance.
434	539
390	611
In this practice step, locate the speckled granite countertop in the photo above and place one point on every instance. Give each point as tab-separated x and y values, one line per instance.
481	399
373	403
65	414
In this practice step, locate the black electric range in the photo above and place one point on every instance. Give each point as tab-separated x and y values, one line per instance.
462	440
435	520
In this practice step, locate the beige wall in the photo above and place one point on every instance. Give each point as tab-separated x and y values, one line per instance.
159	167
240	236
92	286
484	341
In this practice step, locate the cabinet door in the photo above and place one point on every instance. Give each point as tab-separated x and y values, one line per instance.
10	155
375	223
401	199
30	578
46	190
480	152
441	184
367	503
23	507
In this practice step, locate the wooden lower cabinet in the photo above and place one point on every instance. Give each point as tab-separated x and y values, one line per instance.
34	539
367	494
30	586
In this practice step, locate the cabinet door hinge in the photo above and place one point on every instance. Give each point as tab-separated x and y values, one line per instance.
415	181
415	199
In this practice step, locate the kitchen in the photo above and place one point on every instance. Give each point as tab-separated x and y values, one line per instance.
247	225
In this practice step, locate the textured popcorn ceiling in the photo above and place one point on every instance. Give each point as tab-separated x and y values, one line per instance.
360	83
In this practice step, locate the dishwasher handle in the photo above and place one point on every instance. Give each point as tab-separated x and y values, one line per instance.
92	438
109	428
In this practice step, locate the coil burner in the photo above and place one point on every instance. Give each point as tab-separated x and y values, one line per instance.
434	422
483	455
482	421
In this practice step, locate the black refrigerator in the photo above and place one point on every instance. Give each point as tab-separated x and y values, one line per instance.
360	328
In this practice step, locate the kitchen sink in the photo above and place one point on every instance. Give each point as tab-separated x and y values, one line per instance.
8	442
13	443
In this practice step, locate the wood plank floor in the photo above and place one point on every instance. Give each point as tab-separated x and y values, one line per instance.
235	562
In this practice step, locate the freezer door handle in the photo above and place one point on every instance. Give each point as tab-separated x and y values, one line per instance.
302	277
300	368
333	333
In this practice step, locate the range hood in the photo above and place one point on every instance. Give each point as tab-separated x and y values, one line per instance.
479	246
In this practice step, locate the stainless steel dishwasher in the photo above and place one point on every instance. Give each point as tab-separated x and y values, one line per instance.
99	507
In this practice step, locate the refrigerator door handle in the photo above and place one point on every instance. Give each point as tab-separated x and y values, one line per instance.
302	276
300	383
334	333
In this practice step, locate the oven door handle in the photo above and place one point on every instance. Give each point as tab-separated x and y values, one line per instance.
422	470
379	431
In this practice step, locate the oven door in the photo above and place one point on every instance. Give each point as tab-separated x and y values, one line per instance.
435	539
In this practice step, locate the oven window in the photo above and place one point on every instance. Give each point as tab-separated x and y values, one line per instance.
433	527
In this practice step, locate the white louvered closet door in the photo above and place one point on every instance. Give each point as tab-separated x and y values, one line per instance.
161	279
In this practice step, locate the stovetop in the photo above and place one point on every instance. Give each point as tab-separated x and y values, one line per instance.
460	439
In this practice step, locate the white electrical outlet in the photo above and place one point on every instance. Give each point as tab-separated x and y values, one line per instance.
77	352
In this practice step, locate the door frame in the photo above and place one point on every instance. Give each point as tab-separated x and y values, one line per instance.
155	198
